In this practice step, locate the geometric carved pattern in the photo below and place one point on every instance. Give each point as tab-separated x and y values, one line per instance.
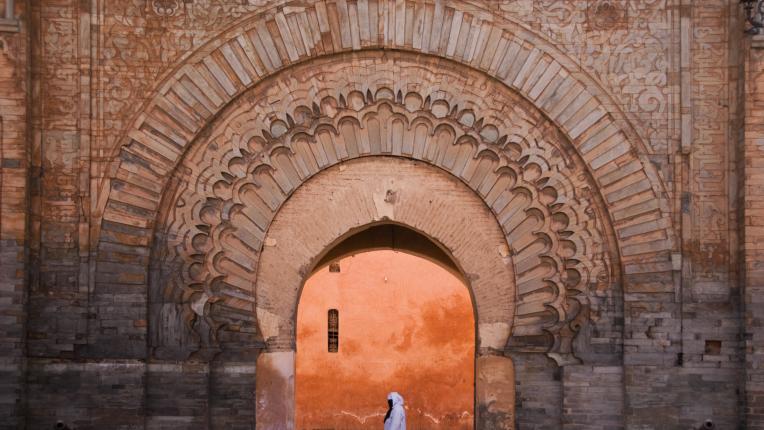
439	35
541	197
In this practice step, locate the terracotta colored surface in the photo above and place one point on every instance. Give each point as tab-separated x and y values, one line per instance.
406	325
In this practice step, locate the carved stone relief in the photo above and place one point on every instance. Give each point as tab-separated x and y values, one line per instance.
142	37
235	179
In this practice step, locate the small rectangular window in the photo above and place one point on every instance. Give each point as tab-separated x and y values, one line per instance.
334	330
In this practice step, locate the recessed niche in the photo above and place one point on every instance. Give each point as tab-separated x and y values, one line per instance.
713	347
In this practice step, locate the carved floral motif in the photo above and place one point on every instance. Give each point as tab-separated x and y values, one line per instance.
143	37
606	14
139	46
165	7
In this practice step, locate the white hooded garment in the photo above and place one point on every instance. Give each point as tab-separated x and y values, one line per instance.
397	420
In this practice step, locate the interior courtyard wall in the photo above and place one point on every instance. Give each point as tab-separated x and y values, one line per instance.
671	67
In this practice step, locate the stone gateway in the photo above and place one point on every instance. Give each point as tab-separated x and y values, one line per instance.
174	171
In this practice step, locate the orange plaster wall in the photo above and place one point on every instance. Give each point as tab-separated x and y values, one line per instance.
406	325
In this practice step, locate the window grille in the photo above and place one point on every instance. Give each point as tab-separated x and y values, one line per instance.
334	330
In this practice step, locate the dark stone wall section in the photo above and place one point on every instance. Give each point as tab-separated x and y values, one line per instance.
232	405
91	395
538	399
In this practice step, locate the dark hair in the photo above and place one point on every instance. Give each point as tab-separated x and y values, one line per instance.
389	409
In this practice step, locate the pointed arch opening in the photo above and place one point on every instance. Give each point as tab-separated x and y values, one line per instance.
373	192
385	309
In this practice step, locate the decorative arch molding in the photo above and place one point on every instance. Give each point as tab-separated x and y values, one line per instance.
356	194
464	32
471	42
282	33
231	185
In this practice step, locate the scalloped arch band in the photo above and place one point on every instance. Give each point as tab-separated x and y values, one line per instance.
233	183
456	30
456	35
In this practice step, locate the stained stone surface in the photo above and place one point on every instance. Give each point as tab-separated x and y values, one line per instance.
397	314
149	148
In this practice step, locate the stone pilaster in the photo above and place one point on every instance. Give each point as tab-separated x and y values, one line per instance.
14	206
753	232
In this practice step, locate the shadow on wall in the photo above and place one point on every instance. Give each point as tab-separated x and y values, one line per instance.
405	324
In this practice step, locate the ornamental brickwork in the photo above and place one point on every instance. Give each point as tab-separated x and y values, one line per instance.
173	170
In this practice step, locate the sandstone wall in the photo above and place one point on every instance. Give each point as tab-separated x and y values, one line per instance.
678	338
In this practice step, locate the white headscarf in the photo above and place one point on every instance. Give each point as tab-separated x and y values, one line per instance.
397	420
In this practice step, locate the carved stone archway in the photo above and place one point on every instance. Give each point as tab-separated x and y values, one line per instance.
458	36
463	31
233	183
237	128
353	195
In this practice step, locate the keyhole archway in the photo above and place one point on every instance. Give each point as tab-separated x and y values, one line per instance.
354	196
260	197
386	309
201	182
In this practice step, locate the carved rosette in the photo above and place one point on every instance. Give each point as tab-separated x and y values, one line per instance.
165	7
606	14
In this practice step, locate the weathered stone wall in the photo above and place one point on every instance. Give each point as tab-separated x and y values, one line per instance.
752	220
99	101
15	156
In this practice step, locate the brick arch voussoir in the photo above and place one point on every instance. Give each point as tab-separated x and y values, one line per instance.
238	59
366	201
252	179
225	69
